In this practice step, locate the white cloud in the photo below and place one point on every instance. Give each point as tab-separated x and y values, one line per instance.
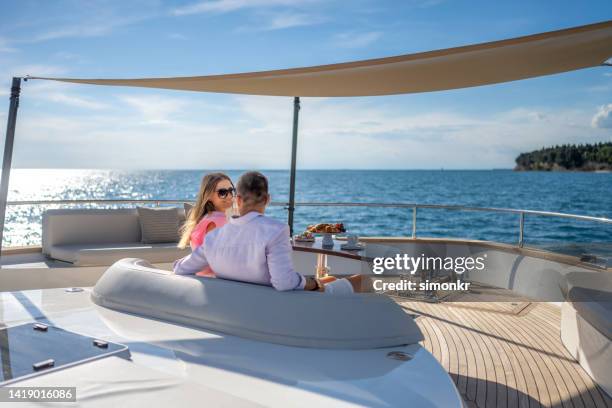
154	109
95	27
356	40
383	137
5	46
603	117
9	71
523	115
226	6
124	140
76	101
145	131
91	19
72	58
265	21
43	70
56	92
601	88
81	30
288	20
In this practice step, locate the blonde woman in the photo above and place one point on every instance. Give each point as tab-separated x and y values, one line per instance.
209	212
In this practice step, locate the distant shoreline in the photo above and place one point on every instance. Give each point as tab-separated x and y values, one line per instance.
566	170
584	158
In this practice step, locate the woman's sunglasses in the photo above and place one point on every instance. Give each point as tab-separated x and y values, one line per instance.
223	192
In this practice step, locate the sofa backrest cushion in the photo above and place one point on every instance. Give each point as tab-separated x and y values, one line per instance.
91	226
158	225
591	296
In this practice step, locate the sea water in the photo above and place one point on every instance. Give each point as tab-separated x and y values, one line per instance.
566	192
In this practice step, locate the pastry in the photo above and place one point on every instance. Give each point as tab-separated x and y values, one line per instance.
326	228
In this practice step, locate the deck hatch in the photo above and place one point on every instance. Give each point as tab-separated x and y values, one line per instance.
33	349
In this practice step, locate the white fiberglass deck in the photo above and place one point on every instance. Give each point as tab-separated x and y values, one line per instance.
174	365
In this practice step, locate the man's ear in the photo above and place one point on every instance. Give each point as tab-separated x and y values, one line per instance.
239	200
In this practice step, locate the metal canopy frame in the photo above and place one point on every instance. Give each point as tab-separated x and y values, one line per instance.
8	152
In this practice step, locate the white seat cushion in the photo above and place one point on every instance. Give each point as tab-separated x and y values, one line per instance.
107	254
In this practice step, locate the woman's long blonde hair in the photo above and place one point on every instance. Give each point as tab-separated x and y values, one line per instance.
202	207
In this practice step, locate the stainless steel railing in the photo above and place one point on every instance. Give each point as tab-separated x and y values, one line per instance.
521	213
414	206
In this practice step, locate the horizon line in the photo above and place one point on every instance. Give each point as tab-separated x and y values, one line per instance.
257	169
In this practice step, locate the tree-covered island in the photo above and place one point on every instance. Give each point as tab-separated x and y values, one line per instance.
589	157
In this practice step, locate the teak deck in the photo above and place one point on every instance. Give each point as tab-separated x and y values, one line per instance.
505	354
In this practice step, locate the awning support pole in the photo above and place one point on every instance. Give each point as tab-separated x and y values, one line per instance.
291	208
8	153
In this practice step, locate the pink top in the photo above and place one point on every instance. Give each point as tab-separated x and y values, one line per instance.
198	234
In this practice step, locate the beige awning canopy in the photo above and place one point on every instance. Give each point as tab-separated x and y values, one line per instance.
481	64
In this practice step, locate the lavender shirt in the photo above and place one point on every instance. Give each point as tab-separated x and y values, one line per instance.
253	248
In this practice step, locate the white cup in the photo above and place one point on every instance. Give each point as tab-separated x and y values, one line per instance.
352	240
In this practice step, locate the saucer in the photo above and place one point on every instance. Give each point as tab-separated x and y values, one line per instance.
298	239
348	247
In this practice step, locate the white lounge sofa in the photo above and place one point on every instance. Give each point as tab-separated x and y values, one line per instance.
98	237
291	318
586	323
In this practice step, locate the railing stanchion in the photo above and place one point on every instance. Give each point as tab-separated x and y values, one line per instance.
414	215
521	229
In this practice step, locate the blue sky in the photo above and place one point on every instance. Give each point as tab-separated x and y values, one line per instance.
72	126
